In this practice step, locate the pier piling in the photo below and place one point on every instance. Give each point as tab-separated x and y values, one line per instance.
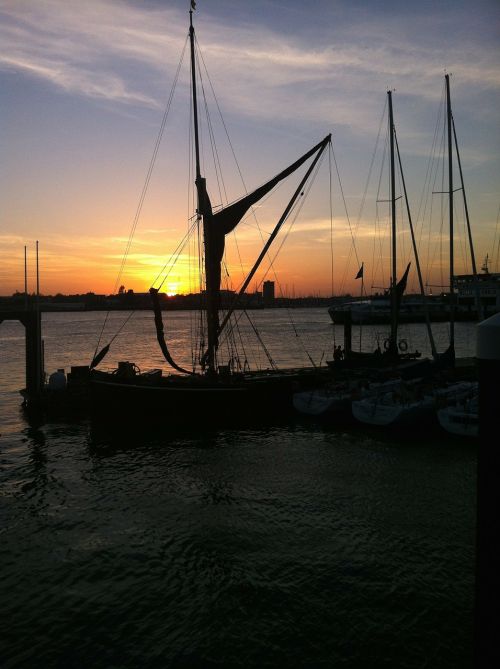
32	321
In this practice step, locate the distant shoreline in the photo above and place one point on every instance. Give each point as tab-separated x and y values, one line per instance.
131	301
142	302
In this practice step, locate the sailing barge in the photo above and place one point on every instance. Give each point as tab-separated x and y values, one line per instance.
215	386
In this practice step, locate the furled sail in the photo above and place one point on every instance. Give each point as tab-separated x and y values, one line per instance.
160	333
401	287
99	356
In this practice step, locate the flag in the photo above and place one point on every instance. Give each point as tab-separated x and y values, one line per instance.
359	275
401	286
193	4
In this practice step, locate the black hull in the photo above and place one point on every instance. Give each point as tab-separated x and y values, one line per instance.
191	401
340	317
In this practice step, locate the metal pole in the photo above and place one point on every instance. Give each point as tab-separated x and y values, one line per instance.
450	197
37	276
394	316
25	280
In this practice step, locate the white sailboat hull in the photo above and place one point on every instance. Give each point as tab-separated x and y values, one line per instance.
321	403
373	412
458	421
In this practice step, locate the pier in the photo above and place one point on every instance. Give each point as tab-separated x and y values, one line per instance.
32	321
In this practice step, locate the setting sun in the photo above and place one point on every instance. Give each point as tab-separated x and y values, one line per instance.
172	288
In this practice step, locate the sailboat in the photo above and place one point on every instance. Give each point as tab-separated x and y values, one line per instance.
395	350
404	406
336	398
459	415
212	389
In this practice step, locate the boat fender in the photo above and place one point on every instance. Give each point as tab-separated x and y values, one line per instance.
403	345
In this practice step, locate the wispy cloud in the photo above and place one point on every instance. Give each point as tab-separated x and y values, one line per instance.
86	49
123	52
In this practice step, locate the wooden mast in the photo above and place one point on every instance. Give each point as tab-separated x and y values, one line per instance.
211	304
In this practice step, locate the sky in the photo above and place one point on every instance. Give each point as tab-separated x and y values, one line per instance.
84	87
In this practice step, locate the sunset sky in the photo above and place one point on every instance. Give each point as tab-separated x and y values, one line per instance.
85	84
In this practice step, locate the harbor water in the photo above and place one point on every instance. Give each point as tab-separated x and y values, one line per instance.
288	544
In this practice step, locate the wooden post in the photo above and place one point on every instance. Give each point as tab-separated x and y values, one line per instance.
33	336
32	322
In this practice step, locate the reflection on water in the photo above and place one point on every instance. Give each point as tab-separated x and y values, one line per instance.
297	545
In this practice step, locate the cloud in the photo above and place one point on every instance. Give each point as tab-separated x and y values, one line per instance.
86	49
121	52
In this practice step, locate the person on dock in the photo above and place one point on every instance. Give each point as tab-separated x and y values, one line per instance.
338	354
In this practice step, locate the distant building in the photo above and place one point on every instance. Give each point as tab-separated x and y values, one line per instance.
268	293
486	287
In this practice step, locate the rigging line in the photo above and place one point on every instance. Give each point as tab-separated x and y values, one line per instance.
252	209
234	325
405	254
222	121
379	233
331	219
345	204
372	162
319	160
424	197
295	211
382	236
259	229
253	213
221	186
296	208
365	192
438	172
146	183
151	164
261	342
175	256
242	343
121	327
459	232
205	69
215	154
443	205
426	200
363	200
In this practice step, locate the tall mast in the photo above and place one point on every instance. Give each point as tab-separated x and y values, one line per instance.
450	204
471	245
195	104
415	253
25	280
394	312
210	299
